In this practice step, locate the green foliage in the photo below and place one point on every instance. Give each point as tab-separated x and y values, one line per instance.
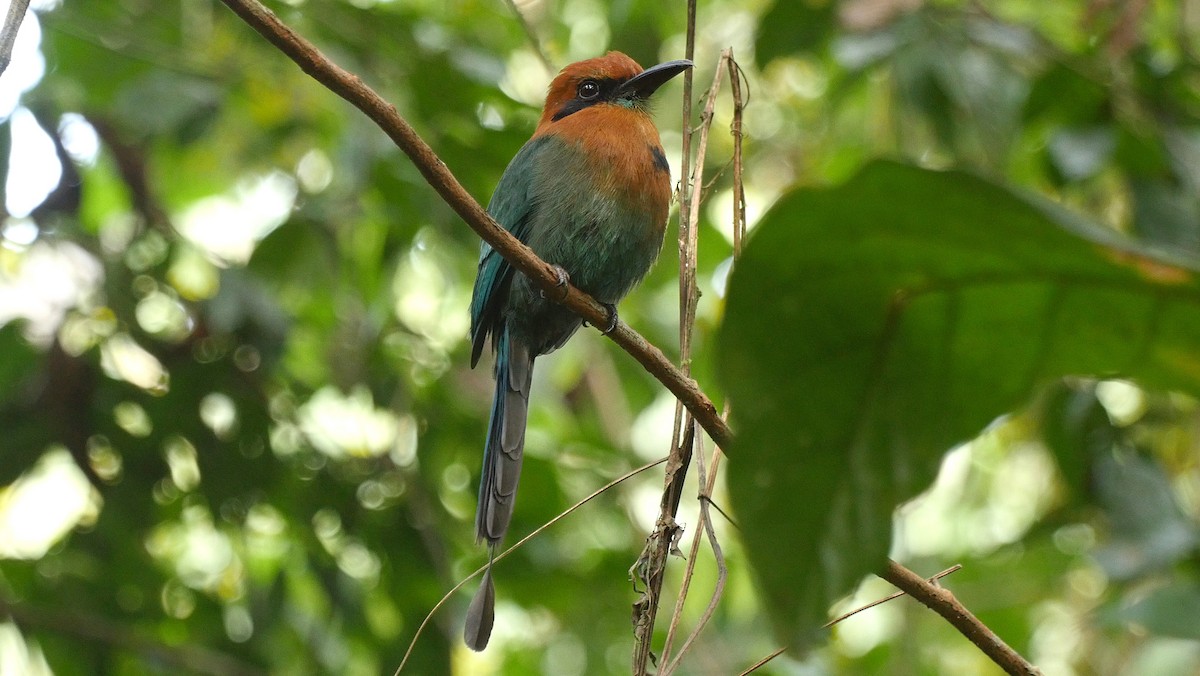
929	305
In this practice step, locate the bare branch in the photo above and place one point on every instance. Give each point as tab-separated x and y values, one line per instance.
8	34
735	128
754	667
845	616
651	565
688	297
941	601
351	88
652	562
708	480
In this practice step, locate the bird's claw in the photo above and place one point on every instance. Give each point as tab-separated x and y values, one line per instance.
612	318
564	283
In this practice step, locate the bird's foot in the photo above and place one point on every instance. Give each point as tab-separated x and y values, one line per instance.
564	283
612	318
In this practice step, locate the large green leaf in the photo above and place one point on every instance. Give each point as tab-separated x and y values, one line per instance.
873	326
795	27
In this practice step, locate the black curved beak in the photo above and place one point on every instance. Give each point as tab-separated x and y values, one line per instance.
645	83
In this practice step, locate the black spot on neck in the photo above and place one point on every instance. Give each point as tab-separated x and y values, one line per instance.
660	160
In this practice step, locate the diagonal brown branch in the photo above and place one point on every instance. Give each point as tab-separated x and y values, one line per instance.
942	601
844	616
351	88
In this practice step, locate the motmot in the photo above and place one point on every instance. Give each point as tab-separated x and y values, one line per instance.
588	193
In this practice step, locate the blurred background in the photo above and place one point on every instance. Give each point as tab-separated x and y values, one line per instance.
238	432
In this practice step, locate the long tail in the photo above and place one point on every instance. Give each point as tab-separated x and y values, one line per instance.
506	440
501	469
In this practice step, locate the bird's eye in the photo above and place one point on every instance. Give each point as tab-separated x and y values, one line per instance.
588	90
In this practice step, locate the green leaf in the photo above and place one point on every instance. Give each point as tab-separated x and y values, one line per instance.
795	26
873	326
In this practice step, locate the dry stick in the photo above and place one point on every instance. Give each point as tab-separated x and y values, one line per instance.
942	601
739	235
351	88
687	302
499	557
754	667
739	231
952	569
652	562
681	448
8	34
707	481
739	188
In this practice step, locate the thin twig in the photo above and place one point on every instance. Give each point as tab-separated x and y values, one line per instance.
715	505
706	118
351	88
652	562
941	601
707	480
952	569
705	497
754	667
8	33
735	129
688	245
499	557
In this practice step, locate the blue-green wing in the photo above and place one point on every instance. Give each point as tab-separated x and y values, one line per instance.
512	206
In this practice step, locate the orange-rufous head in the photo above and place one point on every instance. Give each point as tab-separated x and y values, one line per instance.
610	80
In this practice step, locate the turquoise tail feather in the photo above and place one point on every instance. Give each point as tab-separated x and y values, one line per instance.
505	441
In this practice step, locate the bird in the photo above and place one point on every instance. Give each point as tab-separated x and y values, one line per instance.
589	193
